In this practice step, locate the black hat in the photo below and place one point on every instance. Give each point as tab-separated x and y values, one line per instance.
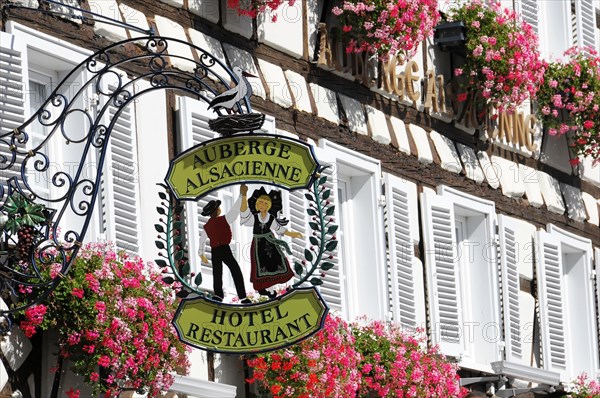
210	207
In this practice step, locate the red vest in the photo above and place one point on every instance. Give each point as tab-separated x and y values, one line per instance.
218	231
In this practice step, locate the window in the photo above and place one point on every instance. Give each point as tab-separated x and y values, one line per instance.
34	66
554	31
566	297
355	182
461	270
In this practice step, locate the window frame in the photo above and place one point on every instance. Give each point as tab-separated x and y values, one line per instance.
356	165
462	206
568	243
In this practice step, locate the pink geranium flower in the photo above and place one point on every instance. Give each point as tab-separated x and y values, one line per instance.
125	330
571	90
386	28
504	63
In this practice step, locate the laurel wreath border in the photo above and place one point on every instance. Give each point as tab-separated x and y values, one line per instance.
173	254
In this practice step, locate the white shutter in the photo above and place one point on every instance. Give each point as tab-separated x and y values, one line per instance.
529	12
585	24
509	252
194	116
549	273
442	273
597	271
13	101
297	205
402	229
334	283
120	190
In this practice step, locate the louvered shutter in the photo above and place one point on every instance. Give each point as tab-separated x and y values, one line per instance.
550	296
509	252
13	101
530	13
402	229
597	270
584	24
333	287
193	118
442	273
120	190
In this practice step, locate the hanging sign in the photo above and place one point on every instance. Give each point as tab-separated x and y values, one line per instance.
247	325
241	329
270	159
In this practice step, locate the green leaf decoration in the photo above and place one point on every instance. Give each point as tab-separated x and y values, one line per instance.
314	226
332	229
322	180
21	211
159	228
162	195
311	212
159	244
177	224
308	255
179	255
326	194
298	268
316	281
327	266
330	210
309	197
185	270
182	293
168	280
313	240
161	210
331	245
177	239
161	263
198	279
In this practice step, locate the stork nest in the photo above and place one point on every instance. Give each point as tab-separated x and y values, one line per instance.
230	124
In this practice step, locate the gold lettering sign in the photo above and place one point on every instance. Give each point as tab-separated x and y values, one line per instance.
260	327
275	160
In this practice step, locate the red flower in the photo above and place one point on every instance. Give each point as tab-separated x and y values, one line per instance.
77	292
275	389
588	124
462	97
574	161
72	393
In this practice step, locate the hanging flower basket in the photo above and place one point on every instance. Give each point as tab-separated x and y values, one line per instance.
370	359
113	315
502	57
386	28
569	101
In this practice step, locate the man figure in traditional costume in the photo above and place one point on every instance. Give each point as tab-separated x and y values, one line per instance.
218	231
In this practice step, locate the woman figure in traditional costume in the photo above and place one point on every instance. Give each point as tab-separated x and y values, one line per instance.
268	264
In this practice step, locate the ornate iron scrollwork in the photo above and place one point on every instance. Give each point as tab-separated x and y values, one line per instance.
80	118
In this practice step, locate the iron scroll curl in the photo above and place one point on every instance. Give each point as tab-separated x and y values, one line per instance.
81	118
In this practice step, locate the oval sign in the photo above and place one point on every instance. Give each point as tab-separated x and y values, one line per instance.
271	159
242	329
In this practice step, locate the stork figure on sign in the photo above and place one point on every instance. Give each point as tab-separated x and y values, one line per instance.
229	99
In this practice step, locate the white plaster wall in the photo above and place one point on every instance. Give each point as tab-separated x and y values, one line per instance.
286	33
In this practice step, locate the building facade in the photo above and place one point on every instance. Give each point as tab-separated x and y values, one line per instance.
488	240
